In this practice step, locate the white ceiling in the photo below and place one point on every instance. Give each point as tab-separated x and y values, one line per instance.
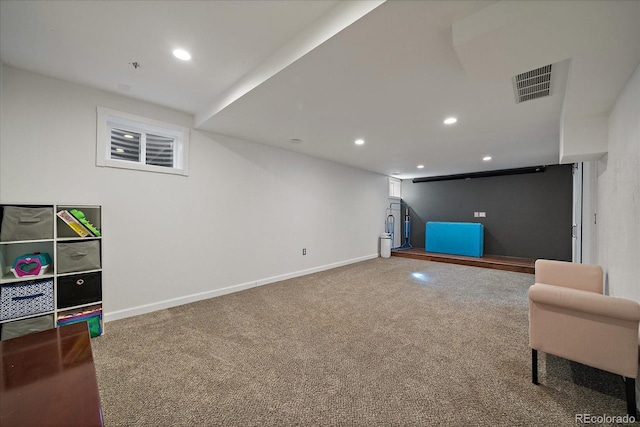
328	72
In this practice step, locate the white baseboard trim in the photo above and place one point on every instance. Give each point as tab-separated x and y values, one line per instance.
295	274
161	305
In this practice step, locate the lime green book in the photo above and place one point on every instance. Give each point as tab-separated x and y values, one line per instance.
79	215
73	223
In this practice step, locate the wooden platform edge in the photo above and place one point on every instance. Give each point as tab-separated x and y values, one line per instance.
497	264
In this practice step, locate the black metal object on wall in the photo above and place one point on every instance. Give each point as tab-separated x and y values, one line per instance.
484	174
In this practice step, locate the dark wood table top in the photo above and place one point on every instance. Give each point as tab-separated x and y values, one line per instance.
49	379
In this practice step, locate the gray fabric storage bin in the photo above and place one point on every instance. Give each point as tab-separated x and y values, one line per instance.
78	256
20	223
26	326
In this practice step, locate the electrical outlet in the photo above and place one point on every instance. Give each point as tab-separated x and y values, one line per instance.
304	251
475	214
482	214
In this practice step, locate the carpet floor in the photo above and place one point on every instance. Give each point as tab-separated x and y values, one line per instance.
385	342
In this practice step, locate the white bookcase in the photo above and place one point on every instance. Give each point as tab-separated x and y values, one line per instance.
75	270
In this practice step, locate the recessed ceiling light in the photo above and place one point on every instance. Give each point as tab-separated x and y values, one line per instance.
420	166
359	141
128	136
450	120
486	158
182	54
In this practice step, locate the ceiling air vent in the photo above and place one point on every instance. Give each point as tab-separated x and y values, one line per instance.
533	84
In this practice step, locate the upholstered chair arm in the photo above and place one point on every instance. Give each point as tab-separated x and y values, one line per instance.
585	302
589	328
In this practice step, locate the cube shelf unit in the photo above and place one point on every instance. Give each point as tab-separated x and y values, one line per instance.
77	285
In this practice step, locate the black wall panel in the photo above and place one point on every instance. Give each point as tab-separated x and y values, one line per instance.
528	215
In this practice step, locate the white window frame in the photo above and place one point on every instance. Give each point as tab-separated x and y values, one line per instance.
395	188
111	118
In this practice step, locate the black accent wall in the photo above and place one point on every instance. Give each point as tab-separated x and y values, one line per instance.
528	216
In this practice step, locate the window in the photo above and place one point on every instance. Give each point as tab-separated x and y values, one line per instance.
395	186
133	142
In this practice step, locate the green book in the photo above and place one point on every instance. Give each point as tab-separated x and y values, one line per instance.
79	215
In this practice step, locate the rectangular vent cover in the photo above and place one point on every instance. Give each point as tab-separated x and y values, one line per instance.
533	84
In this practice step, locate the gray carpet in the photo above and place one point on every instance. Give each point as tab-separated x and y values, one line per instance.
386	342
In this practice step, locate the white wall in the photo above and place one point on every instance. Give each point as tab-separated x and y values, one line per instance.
583	139
589	212
618	196
1	123
240	219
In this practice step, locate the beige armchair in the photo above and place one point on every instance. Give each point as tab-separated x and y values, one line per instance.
569	317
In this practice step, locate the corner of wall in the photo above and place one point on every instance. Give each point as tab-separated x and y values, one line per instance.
584	138
618	195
